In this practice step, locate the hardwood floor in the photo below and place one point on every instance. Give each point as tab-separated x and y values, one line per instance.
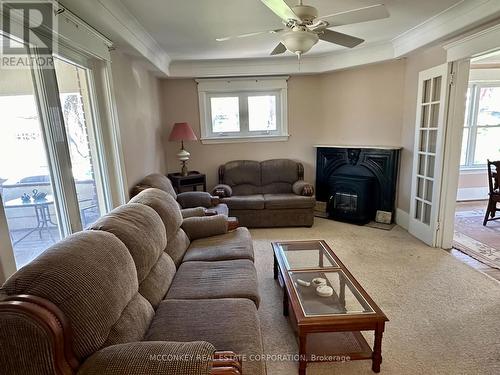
492	272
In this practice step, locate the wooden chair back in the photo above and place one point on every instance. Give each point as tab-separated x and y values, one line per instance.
494	177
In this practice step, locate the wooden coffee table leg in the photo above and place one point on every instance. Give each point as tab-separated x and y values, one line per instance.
285	302
302	354
377	348
275	267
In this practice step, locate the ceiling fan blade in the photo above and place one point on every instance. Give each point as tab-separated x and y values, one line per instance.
247	35
339	38
373	12
280	48
281	9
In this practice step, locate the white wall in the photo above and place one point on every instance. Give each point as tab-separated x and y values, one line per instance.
137	93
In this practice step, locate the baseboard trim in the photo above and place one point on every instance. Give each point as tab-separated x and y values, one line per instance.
472	194
402	218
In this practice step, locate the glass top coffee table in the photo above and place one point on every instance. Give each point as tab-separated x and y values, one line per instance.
327	307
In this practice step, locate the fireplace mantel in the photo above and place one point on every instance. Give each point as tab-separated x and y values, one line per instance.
379	162
353	146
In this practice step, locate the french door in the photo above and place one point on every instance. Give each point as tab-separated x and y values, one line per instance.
433	91
52	180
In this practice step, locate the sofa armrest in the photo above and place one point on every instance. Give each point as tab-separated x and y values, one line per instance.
192	199
151	358
193	212
226	363
200	227
303	188
222	191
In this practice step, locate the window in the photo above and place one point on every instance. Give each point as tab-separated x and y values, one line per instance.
481	139
242	109
60	166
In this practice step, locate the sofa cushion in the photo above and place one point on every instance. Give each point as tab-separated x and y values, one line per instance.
151	358
288	201
91	277
170	213
141	229
245	202
243	176
228	324
211	280
236	244
165	205
279	170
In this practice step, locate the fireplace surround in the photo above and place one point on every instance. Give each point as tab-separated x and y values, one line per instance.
356	182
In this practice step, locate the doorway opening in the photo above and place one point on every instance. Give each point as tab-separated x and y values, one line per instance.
474	243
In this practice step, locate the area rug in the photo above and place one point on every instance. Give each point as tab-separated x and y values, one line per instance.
444	315
478	241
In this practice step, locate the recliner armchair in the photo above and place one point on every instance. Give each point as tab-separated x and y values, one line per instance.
192	203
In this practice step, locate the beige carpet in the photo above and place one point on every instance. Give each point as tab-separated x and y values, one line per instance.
444	315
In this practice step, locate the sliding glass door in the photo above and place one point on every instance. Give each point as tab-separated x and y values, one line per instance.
52	179
26	188
83	136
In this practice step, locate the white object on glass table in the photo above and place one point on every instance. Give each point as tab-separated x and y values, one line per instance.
318	281
303	283
324	291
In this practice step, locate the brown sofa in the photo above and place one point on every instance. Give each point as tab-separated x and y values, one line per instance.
270	193
192	203
143	291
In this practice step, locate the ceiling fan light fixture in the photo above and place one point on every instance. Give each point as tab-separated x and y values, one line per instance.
306	13
299	41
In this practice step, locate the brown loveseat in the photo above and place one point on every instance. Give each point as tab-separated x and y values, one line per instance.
142	292
192	203
270	193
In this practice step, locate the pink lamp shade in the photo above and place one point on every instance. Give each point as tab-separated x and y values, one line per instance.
182	132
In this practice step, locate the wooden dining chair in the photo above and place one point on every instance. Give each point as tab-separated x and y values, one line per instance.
494	194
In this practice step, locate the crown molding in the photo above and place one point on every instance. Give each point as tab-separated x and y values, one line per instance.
285	65
478	43
114	20
458	18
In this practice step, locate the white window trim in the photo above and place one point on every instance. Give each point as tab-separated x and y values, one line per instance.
242	86
471	124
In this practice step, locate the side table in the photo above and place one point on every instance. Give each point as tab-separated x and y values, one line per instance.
193	180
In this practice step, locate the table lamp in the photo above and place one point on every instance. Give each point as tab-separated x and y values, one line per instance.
182	132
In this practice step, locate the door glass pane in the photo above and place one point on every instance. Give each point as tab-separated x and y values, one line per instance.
487	145
430	166
262	113
25	183
426	92
424	122
427	213
436	89
418	210
78	119
489	106
428	190
421	165
423	140
434	116
432	141
225	114
420	187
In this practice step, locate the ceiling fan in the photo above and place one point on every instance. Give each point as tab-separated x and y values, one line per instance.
303	27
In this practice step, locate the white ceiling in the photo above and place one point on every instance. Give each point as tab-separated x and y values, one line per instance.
186	29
